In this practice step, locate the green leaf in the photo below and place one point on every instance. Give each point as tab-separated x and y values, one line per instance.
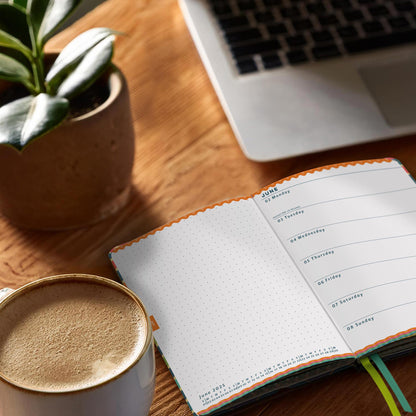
13	21
72	54
47	15
21	3
92	65
25	119
12	70
9	41
16	55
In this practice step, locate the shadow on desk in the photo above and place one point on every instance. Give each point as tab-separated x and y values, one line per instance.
401	148
83	250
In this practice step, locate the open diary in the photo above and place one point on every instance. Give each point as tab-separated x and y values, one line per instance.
265	292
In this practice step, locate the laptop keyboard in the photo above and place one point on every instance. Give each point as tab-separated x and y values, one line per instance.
268	34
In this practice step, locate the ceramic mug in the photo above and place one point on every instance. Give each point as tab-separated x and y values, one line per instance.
128	393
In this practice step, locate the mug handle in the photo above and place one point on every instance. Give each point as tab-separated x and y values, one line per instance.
5	292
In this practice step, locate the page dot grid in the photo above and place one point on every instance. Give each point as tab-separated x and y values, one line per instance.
227	298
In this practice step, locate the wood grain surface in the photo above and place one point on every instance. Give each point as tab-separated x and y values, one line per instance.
187	158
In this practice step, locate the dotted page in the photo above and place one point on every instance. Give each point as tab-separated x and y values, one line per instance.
232	309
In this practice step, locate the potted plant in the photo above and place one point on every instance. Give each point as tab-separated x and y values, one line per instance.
66	133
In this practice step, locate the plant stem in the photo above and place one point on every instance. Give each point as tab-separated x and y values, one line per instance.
37	63
31	88
37	66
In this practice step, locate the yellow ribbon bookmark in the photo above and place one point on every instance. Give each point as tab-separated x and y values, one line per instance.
365	361
391	382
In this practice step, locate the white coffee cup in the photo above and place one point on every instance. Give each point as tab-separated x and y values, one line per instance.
128	392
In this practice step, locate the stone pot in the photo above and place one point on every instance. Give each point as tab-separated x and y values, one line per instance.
75	175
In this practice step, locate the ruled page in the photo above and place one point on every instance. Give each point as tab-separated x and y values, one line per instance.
351	231
233	311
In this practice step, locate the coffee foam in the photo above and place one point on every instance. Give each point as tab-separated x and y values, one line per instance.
69	335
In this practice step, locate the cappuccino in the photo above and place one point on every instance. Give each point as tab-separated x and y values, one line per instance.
67	335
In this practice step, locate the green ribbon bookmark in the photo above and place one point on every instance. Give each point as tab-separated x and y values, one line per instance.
365	361
391	382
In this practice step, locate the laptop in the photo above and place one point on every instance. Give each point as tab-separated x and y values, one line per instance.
300	76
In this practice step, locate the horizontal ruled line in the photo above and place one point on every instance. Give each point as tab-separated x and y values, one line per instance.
383	310
371	287
357	242
332	176
363	265
342	199
353	220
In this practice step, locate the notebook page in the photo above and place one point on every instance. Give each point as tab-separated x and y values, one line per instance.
233	311
351	231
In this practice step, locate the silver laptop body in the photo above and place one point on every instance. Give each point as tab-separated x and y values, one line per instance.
314	106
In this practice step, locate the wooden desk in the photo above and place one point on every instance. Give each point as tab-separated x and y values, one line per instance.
187	158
